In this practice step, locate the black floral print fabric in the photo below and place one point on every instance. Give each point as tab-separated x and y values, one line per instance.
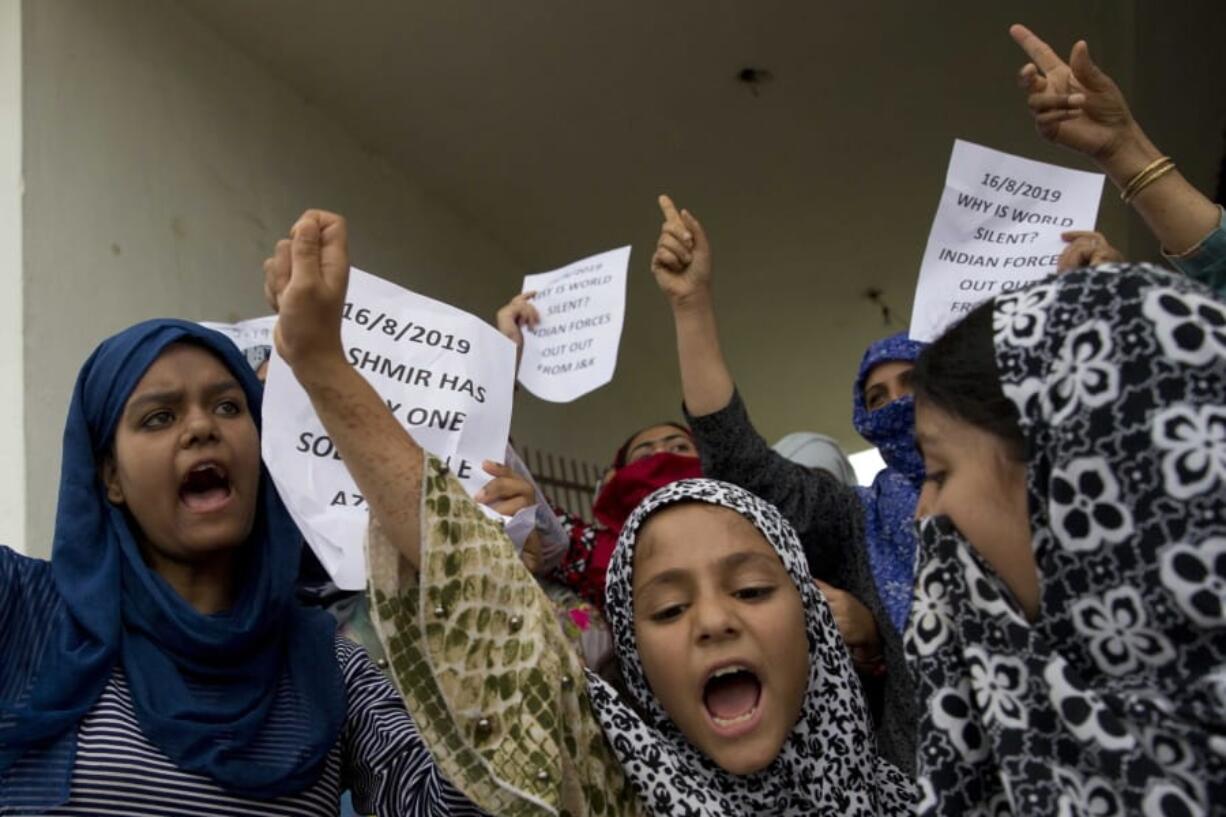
1113	702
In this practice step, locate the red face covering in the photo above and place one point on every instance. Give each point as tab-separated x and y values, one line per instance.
629	486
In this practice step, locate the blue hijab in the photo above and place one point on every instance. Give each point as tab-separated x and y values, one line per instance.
889	504
252	698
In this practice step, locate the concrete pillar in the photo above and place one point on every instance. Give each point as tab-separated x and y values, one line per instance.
12	372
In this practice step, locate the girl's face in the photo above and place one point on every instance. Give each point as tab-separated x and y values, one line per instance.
660	438
721	633
186	458
887	382
975	480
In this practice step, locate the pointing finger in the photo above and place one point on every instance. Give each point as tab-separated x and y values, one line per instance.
668	209
1038	51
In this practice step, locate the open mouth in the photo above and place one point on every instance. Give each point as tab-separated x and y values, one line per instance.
205	488
731	696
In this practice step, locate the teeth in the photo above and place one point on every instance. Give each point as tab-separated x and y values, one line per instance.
736	720
719	673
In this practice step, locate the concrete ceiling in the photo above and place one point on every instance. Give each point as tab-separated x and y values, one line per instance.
554	125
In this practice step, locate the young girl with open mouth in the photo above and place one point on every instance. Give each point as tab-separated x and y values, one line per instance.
739	695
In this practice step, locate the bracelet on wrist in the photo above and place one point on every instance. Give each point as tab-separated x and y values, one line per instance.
1151	173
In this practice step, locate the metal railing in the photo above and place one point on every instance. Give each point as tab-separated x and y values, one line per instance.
570	484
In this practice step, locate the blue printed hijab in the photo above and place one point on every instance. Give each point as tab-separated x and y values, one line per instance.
252	698
889	504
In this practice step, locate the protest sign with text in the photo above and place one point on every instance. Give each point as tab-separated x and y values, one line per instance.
253	337
997	228
573	350
445	375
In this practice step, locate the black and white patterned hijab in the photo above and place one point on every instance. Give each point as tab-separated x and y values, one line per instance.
1114	701
829	763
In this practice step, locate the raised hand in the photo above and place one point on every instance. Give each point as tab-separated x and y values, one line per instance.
1086	248
518	312
682	260
508	493
305	283
1074	104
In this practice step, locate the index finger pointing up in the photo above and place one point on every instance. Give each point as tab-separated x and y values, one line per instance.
668	208
1039	52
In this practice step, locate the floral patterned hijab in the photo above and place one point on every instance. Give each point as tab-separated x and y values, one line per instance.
1114	701
828	764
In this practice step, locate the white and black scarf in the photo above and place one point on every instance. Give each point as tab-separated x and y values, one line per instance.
828	764
1114	701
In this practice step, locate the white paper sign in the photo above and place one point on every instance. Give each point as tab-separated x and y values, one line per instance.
445	375
253	337
997	228
573	350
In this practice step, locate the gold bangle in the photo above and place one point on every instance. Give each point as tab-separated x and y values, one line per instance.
1155	176
1149	168
1154	171
1142	178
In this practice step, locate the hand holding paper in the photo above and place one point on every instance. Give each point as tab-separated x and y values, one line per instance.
1086	248
518	312
682	260
997	227
573	325
507	493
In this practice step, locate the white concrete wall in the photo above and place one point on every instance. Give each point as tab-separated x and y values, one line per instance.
12	414
161	166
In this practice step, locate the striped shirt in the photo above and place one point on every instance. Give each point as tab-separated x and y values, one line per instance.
380	755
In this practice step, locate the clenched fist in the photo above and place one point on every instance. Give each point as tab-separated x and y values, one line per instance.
305	282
